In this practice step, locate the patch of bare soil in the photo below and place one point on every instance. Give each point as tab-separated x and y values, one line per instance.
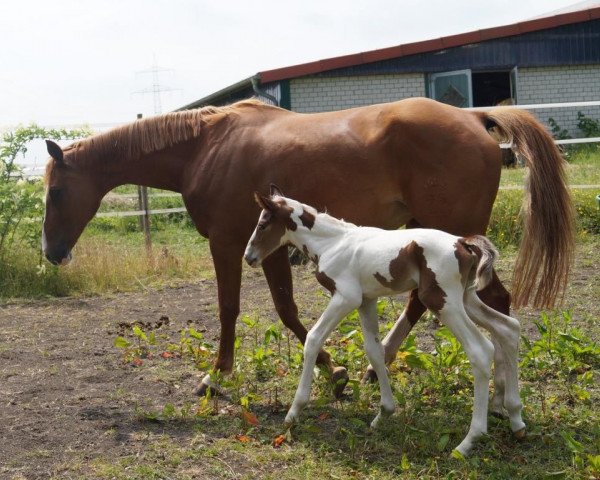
67	397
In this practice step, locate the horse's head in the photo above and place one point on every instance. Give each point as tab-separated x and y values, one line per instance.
73	196
273	225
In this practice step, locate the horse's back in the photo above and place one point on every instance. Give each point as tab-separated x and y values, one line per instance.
379	165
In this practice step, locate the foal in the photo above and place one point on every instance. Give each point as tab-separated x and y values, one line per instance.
358	265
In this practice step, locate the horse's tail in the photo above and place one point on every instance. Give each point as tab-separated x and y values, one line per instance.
545	255
486	254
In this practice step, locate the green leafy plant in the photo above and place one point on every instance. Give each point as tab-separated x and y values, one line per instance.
558	132
589	126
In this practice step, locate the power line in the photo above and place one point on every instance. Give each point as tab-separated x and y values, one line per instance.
157	88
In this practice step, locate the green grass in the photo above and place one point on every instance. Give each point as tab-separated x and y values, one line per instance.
433	388
583	169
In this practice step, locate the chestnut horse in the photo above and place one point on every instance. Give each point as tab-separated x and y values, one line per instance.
415	162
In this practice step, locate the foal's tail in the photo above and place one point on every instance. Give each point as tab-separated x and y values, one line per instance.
486	256
545	255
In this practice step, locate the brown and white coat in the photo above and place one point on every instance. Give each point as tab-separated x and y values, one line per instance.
359	264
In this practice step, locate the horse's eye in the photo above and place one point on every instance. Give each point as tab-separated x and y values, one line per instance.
55	194
262	226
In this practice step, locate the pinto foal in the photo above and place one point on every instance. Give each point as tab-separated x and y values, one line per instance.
359	264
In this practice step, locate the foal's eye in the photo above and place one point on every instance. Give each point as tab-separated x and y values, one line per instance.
55	194
262	226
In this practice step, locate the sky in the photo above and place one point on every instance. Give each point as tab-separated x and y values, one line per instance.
72	62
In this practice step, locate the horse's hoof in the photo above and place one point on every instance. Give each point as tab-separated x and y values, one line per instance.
369	377
202	390
339	378
207	387
520	434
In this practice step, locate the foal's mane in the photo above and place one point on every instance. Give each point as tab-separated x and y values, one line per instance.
148	135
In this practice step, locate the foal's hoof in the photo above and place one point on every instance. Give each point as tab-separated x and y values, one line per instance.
290	421
370	376
520	434
339	379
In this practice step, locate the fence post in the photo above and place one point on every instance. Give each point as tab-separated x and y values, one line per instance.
145	218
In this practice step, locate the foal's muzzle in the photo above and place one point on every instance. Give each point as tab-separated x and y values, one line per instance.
251	259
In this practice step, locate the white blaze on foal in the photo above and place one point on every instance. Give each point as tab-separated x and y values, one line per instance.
359	264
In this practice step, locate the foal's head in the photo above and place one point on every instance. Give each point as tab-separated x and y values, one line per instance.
72	198
274	223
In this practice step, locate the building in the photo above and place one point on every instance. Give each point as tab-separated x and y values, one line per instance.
553	58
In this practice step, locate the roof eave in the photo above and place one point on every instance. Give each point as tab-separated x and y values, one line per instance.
210	99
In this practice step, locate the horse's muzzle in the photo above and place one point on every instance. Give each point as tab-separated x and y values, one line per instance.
61	257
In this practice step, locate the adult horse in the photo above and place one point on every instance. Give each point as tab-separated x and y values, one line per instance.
415	162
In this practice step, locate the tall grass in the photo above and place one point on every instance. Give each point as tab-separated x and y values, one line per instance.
105	262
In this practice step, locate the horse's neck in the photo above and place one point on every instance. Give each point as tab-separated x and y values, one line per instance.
164	169
326	233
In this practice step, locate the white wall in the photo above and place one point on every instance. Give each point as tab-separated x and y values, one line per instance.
319	94
560	84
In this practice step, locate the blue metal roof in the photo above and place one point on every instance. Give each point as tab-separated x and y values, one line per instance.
565	45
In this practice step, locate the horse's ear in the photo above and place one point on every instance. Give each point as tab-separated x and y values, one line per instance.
275	190
55	151
264	202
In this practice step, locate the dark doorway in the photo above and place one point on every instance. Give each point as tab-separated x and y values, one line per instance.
490	88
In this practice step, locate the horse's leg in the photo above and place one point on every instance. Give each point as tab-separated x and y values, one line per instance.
498	298
338	308
374	349
227	259
279	277
391	343
480	352
506	331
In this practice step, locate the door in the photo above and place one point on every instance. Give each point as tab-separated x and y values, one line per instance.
514	77
453	88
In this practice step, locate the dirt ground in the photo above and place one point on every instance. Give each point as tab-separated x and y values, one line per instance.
67	397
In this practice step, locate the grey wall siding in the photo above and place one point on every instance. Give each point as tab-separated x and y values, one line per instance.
578	83
320	94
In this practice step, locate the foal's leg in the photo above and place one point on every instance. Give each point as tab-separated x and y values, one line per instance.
228	267
480	352
498	298
506	331
374	349
337	308
413	310
279	277
494	295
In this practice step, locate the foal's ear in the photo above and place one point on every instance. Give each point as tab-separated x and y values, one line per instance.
55	151
275	190
264	202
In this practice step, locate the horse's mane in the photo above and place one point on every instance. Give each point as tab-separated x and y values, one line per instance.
148	135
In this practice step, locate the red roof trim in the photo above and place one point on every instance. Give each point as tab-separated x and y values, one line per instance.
429	45
500	32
